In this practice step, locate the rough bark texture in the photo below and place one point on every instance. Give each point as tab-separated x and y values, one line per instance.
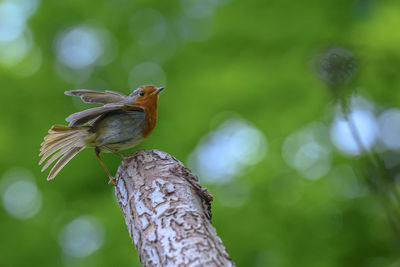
167	212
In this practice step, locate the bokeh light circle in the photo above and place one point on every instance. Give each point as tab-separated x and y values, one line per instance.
20	196
81	237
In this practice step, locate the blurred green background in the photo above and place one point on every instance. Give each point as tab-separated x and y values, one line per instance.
244	108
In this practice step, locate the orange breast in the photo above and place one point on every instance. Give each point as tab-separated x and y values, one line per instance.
150	105
151	120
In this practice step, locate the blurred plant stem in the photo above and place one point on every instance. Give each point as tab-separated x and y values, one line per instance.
337	67
379	180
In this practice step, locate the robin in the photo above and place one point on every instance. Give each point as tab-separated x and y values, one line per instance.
120	123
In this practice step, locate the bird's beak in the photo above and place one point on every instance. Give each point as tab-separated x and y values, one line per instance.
158	90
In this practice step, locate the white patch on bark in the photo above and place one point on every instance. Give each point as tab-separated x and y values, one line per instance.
122	190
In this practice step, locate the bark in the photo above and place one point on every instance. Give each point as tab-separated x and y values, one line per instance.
167	212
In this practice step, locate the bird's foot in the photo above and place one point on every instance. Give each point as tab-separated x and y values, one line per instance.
112	180
125	159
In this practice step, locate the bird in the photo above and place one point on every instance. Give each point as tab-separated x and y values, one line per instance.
121	122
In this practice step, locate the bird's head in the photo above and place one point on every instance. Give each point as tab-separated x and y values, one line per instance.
146	95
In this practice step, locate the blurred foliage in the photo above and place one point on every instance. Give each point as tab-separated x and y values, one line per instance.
252	59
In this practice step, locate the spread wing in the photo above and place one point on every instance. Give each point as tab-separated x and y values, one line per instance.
89	115
100	97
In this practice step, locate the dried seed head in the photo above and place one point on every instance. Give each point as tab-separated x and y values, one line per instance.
337	67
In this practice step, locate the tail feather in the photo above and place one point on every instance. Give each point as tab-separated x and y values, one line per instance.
63	161
47	150
53	158
63	143
59	129
55	136
51	138
60	152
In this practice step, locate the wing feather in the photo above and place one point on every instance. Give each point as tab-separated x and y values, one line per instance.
99	97
82	117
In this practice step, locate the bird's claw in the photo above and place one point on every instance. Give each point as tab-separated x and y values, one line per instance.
112	180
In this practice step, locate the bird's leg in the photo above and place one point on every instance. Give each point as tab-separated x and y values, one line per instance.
116	152
111	178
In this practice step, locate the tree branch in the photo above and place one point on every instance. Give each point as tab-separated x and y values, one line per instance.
167	212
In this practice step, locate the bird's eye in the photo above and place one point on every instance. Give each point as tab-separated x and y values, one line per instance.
141	93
